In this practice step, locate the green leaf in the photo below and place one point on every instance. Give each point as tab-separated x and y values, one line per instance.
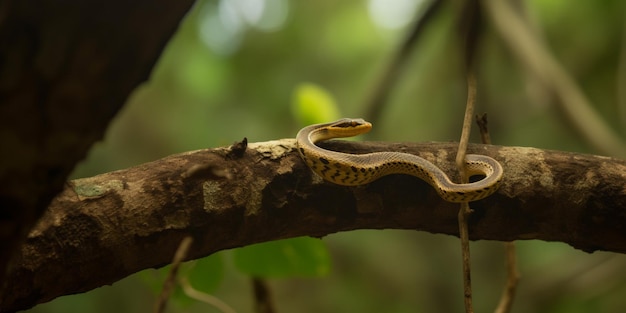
312	104
302	256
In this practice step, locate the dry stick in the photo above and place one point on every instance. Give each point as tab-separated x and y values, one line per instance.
469	31
383	87
465	210
262	298
481	121
170	281
204	297
534	54
506	300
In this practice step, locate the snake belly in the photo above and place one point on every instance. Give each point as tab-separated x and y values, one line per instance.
360	169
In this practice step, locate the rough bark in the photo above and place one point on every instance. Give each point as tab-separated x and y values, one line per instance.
66	68
103	228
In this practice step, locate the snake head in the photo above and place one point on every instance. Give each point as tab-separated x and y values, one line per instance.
348	127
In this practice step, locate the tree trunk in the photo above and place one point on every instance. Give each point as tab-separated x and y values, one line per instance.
66	68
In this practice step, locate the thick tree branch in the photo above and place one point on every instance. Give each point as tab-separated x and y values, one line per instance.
103	228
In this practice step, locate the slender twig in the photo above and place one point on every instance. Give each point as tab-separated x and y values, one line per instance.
262	297
508	295
506	300
383	86
467	126
468	34
481	121
469	29
464	210
170	281
534	54
204	297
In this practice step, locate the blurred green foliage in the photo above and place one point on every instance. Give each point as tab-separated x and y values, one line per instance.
295	257
229	74
313	105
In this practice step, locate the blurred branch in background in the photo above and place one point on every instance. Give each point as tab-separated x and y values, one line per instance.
373	106
534	54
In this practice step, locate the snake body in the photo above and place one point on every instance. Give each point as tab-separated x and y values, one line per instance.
359	169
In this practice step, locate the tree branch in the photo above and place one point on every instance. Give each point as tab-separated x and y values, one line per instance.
103	228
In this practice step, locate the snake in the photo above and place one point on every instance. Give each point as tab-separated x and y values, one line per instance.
359	169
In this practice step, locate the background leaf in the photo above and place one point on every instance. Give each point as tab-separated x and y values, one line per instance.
312	104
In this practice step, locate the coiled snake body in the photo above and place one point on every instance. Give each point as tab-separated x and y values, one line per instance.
359	169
